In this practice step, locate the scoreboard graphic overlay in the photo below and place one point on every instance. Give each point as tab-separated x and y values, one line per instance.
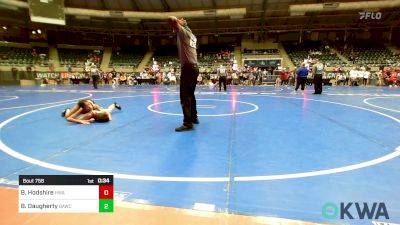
66	193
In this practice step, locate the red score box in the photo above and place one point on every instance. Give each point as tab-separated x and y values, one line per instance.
106	192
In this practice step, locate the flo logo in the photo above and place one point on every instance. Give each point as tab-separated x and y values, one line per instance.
355	210
370	15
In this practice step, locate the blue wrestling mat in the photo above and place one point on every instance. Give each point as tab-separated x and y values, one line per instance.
257	150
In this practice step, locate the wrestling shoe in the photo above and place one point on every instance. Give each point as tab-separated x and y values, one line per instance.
117	106
184	128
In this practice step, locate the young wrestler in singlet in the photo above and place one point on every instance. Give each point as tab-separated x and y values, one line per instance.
87	111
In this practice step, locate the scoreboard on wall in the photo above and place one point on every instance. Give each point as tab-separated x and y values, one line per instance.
263	62
66	193
47	11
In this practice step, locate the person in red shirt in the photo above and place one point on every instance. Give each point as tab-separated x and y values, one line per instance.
285	76
385	76
393	79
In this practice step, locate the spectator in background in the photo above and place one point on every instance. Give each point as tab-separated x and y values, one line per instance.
14	72
354	74
107	78
200	79
386	76
45	81
123	79
69	68
34	53
172	78
393	79
301	76
270	70
29	72
113	73
285	76
351	58
380	78
340	78
292	76
278	81
88	65
52	68
366	76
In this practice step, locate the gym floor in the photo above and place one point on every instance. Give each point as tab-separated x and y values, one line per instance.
258	151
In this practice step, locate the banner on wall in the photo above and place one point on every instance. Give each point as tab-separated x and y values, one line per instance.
263	62
48	75
52	75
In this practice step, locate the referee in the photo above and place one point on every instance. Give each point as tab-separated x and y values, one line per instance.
95	75
186	42
222	77
318	71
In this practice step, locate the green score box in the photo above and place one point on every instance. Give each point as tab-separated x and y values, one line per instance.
106	205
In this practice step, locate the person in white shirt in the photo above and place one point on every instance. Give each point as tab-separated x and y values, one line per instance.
366	76
340	78
200	79
88	65
221	77
381	79
353	77
172	79
95	75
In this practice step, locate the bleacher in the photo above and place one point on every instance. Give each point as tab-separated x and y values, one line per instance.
77	57
313	50
12	56
127	57
211	56
166	55
373	55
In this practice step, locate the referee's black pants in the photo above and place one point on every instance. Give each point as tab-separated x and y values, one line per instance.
222	81
317	83
188	81
95	79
